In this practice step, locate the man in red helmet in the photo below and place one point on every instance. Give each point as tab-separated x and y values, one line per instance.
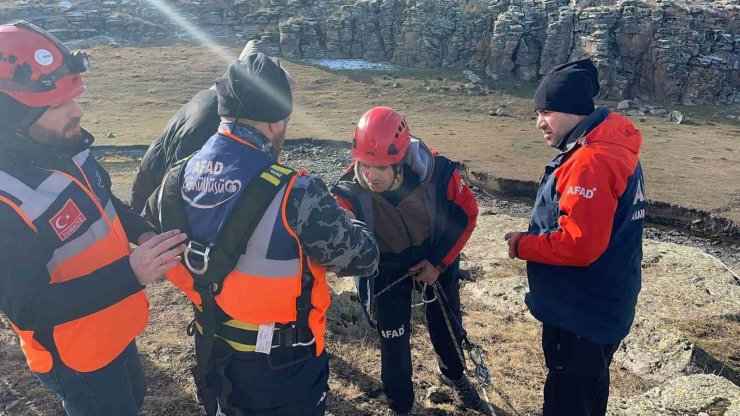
422	214
69	284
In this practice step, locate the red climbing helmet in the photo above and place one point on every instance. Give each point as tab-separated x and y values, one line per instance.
381	138
36	69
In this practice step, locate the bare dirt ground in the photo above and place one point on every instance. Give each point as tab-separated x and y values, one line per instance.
133	91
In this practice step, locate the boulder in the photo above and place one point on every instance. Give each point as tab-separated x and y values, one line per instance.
475	79
687	395
675	116
655	350
659	112
681	282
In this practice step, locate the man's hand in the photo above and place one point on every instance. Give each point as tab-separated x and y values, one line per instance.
146	237
424	272
512	239
157	255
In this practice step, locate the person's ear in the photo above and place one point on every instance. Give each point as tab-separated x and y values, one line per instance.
274	127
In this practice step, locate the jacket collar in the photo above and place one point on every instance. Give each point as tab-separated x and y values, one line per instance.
604	126
249	134
618	130
18	150
583	128
420	158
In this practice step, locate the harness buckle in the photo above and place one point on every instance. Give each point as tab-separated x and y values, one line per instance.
304	344
293	333
197	249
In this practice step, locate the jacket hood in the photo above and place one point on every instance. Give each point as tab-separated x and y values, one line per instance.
619	130
420	159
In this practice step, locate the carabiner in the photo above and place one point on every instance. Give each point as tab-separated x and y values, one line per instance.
480	371
203	253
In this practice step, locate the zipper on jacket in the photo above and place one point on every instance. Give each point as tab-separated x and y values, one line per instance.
408	233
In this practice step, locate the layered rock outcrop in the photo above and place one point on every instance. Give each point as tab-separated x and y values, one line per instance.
685	52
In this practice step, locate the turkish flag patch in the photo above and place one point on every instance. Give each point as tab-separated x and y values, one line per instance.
67	221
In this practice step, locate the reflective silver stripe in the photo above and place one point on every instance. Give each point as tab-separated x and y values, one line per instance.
97	231
254	261
45	195
110	210
13	186
35	202
81	157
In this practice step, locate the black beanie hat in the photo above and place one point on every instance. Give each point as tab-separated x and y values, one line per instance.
255	88
569	88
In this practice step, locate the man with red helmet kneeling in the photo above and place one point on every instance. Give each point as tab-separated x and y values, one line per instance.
422	214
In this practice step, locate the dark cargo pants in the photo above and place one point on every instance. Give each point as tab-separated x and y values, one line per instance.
288	382
393	312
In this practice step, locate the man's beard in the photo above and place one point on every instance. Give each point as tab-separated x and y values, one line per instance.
276	143
58	139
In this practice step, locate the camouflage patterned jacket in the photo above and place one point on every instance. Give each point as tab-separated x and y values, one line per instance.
326	234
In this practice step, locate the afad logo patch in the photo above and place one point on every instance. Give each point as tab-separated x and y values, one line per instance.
67	221
584	192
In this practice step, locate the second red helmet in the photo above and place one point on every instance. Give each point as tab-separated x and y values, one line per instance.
381	138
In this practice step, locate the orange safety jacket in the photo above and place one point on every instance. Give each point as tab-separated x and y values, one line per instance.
80	222
273	281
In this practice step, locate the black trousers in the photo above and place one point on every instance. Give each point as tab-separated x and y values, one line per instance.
393	312
577	381
288	382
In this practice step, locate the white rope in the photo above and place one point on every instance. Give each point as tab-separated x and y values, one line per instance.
488	401
435	288
737	278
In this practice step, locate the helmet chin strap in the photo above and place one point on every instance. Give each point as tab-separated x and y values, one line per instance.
397	177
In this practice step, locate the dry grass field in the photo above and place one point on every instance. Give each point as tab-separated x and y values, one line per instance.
133	91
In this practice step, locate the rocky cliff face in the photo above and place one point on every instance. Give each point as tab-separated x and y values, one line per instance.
677	52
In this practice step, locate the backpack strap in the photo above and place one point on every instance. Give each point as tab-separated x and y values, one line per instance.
171	212
209	264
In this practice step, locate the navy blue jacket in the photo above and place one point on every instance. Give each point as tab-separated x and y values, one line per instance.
584	243
26	296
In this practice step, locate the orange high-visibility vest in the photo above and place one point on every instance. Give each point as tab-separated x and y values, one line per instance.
273	281
80	221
